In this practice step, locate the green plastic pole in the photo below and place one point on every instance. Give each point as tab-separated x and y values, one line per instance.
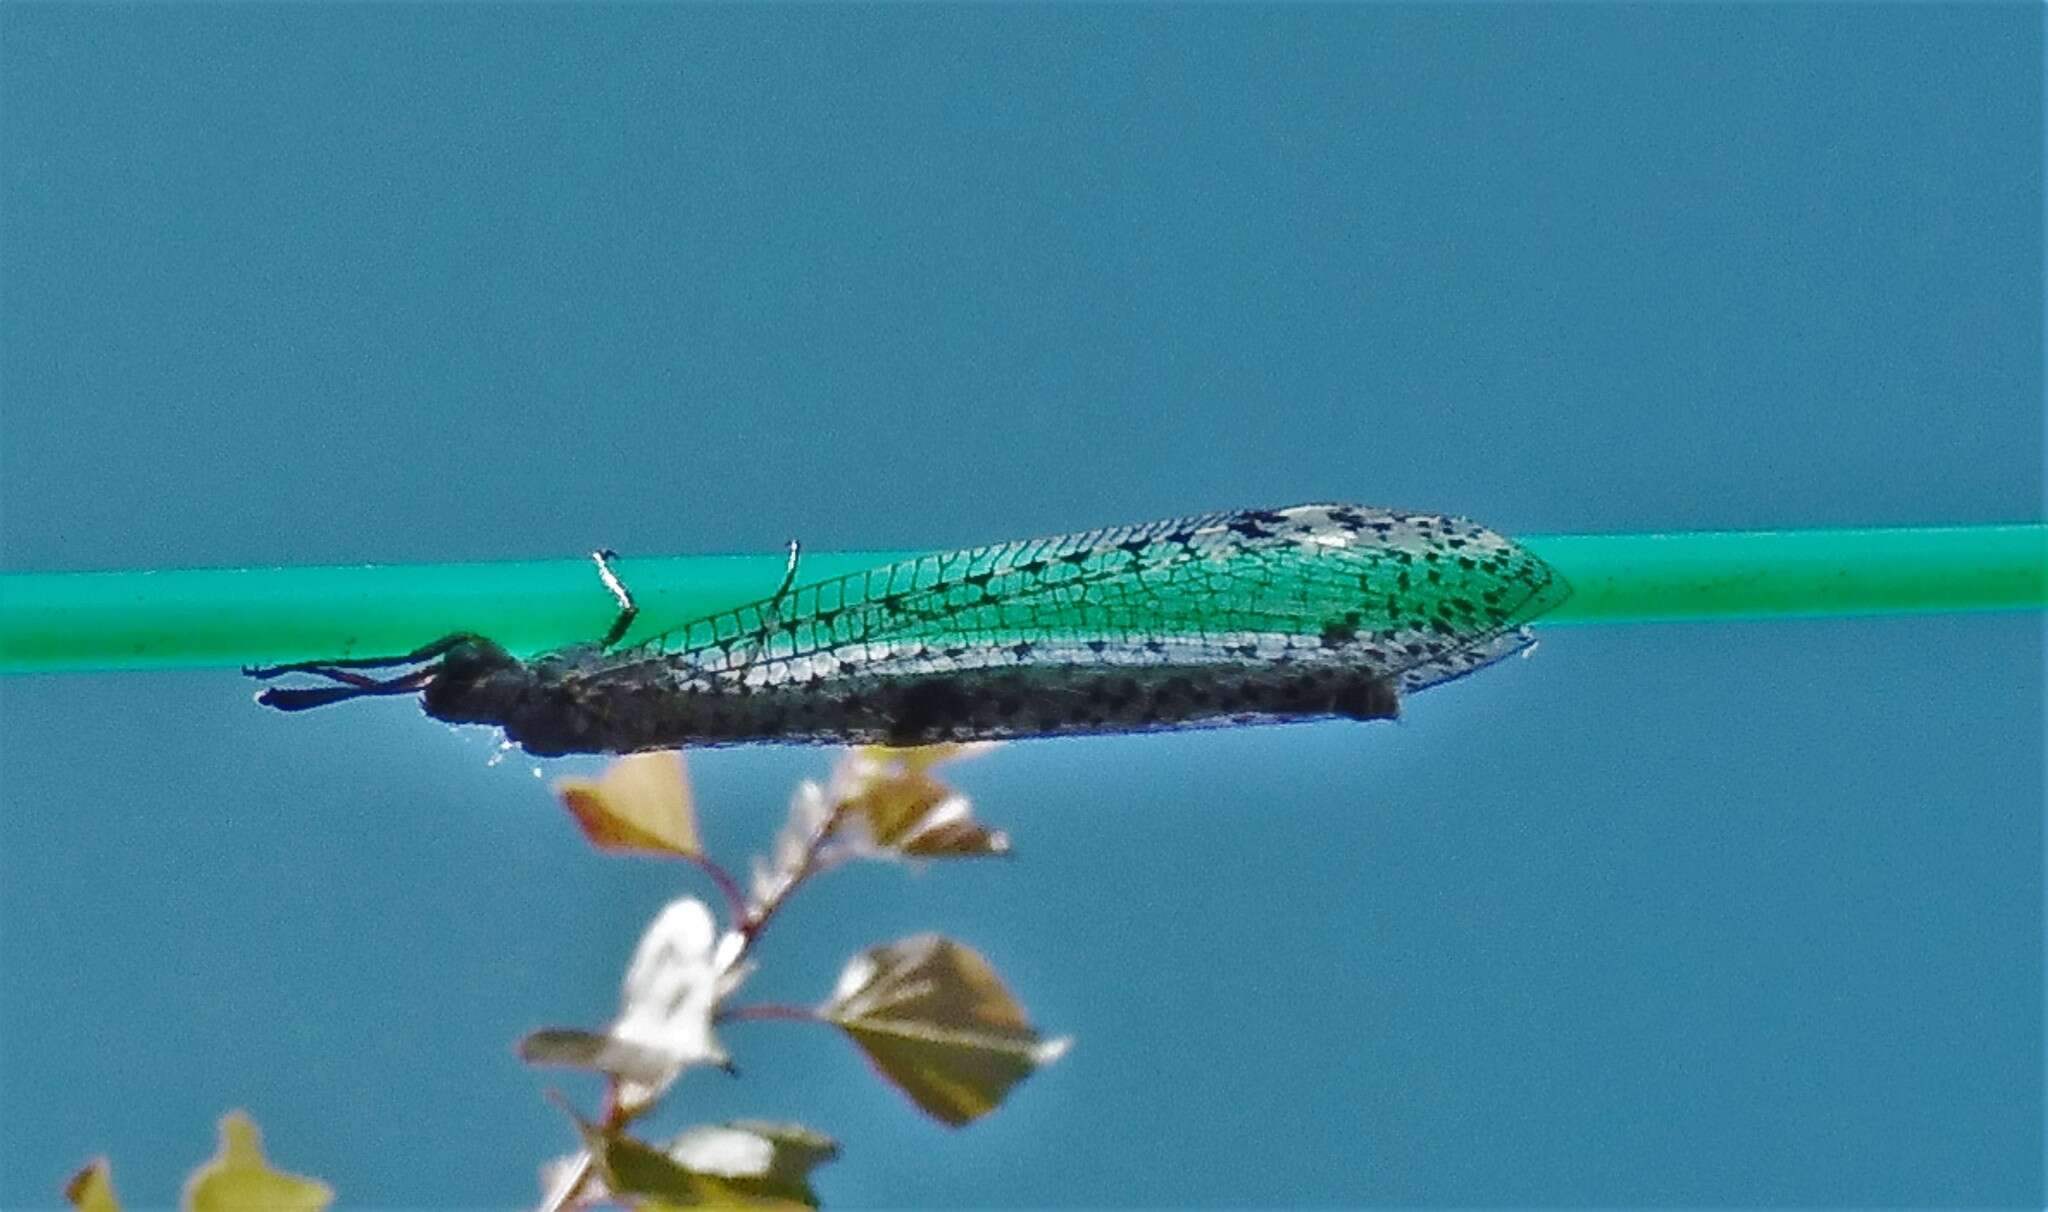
1758	574
67	622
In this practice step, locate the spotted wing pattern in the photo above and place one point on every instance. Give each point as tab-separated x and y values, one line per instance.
1416	598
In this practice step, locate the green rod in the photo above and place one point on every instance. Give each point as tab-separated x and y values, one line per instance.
186	618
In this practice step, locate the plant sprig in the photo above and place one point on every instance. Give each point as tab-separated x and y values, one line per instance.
930	1012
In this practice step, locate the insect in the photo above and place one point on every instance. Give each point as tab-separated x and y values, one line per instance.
1247	617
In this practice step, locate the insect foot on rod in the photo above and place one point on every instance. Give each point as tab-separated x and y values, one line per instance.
628	609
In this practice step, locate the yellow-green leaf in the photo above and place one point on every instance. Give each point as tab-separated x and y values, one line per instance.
640	803
936	1020
239	1179
92	1189
743	1164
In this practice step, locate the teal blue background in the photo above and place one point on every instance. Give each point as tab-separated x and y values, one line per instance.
1707	915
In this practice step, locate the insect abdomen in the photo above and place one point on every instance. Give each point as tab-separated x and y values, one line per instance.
620	715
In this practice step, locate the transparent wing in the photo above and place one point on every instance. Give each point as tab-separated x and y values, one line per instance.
1420	597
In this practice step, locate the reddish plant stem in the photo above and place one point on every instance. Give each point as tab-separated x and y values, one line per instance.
752	926
729	888
768	1010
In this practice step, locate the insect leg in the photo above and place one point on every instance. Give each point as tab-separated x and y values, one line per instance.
771	614
788	577
628	608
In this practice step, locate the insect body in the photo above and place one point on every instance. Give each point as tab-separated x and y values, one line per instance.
1251	617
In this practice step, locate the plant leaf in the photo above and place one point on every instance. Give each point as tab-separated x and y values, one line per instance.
936	1021
238	1178
680	973
641	803
768	1163
92	1188
558	1173
883	803
810	819
745	1164
602	1053
905	811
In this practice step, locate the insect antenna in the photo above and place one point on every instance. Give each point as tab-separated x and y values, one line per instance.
425	652
352	686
